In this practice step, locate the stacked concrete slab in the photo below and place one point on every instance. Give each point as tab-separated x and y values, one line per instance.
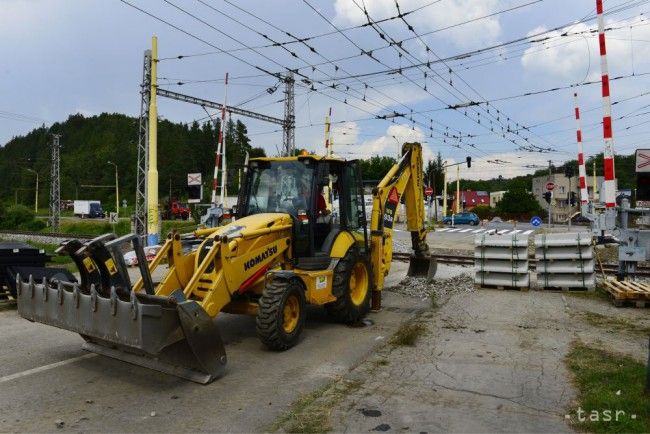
565	261
501	261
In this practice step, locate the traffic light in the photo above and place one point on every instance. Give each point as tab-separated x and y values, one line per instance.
547	197
469	162
572	200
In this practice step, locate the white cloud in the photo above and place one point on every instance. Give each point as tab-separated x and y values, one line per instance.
573	57
437	16
385	145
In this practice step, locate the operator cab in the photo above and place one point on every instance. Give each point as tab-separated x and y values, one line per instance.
324	196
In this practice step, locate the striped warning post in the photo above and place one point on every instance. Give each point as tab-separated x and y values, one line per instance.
582	170
608	185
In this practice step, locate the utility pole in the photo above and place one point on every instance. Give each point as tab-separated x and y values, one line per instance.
36	194
140	218
457	189
444	192
398	148
289	125
593	193
153	227
550	165
55	185
117	190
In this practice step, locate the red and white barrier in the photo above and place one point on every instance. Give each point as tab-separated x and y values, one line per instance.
582	171
219	161
609	188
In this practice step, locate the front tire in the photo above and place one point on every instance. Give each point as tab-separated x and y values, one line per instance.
281	314
351	285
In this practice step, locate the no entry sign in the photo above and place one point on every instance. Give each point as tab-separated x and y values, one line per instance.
550	186
428	191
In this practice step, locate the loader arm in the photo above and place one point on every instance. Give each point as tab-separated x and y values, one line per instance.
404	179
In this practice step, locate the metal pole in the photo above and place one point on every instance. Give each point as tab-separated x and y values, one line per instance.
569	203
457	189
36	193
55	185
117	190
398	150
444	192
153	227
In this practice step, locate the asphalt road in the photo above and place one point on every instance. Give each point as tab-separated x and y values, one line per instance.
46	377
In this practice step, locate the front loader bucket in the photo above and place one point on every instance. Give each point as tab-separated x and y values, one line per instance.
177	338
422	266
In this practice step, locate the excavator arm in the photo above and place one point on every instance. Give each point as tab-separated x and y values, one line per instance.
403	180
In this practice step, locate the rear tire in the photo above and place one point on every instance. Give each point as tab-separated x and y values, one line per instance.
281	314
352	282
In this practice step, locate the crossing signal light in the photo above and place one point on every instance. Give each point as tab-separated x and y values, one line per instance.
573	200
469	162
547	197
643	186
195	193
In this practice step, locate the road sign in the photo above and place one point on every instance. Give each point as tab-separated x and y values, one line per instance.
112	218
428	191
193	179
550	186
536	221
642	160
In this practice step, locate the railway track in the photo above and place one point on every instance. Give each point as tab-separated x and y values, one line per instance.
53	235
642	271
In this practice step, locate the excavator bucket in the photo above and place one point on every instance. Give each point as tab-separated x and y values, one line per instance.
164	333
422	266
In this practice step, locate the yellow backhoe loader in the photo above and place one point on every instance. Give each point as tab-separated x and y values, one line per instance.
286	249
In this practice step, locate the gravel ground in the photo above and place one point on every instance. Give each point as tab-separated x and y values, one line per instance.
438	289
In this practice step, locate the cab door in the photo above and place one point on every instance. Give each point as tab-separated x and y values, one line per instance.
353	214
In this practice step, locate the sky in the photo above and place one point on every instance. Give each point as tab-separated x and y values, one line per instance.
450	69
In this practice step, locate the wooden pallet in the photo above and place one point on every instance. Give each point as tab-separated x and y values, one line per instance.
628	292
501	287
631	303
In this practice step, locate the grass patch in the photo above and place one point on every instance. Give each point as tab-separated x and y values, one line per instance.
598	293
599	376
49	249
408	334
92	227
182	226
433	300
613	323
311	412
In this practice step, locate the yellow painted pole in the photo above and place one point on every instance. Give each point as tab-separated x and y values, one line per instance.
457	189
153	225
444	193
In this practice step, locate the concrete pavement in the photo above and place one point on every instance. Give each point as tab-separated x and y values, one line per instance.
97	393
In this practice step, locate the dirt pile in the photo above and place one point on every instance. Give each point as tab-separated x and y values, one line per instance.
437	288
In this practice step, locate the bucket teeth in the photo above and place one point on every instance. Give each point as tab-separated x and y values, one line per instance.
148	330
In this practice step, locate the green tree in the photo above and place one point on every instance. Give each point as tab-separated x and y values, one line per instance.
375	168
518	202
89	142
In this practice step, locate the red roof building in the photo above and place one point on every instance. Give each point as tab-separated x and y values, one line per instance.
469	199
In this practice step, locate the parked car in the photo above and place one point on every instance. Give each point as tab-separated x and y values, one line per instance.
464	218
